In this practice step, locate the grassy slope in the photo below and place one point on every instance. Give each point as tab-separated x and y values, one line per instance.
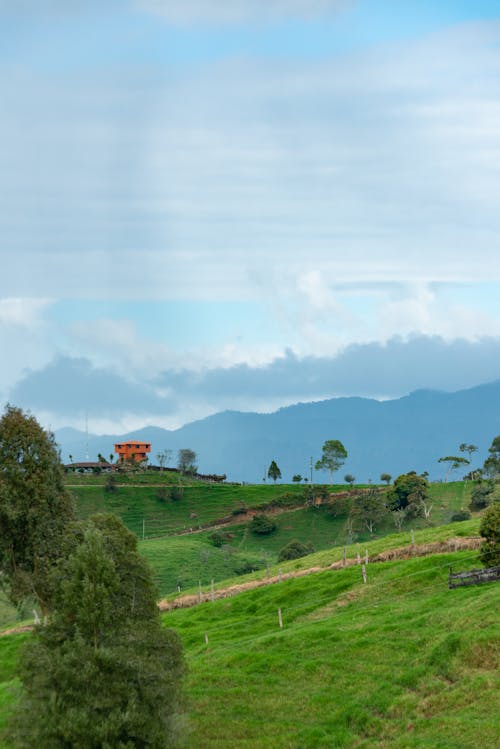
401	662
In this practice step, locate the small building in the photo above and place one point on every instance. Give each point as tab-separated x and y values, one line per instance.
133	450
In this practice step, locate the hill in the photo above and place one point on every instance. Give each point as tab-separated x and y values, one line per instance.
393	436
400	661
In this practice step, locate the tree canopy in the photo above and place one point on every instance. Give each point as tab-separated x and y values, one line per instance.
103	672
186	460
333	457
492	462
407	493
35	508
273	472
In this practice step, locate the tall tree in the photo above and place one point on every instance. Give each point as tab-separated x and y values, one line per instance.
386	477
35	508
333	457
103	672
186	461
273	471
454	462
369	509
408	493
163	458
492	462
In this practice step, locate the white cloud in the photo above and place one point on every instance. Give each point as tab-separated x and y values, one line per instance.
239	11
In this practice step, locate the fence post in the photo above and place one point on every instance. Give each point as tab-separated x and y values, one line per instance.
280	620
212	591
344	559
199	591
363	571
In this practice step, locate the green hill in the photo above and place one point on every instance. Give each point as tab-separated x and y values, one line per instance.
400	661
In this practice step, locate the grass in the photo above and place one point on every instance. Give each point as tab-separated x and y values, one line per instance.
400	662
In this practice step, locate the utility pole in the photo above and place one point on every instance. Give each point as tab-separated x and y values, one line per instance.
311	468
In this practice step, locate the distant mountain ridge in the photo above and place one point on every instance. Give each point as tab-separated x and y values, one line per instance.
393	436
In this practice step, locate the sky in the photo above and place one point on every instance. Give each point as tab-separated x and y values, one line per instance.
210	205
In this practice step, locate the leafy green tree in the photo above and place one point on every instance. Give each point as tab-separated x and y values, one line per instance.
369	509
35	508
103	672
386	478
407	493
164	456
349	479
333	457
262	525
273	472
482	495
490	531
297	478
186	461
454	462
492	462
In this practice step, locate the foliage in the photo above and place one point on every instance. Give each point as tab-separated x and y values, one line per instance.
105	632
262	525
297	478
481	495
333	457
295	550
349	479
369	509
490	531
386	478
460	516
407	493
186	461
273	472
35	507
492	463
454	462
220	537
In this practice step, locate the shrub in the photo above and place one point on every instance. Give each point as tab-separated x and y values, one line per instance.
481	495
490	531
262	525
110	485
460	515
219	538
245	566
176	493
295	550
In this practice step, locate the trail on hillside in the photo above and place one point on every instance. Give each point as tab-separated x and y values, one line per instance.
404	552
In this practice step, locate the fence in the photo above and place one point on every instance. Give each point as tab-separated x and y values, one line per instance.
473	577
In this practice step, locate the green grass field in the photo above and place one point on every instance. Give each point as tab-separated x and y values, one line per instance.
399	662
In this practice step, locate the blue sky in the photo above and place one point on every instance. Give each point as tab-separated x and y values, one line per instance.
201	192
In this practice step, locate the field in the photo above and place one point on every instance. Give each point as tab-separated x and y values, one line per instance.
400	661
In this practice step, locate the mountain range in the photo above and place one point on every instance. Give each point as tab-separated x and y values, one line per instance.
392	436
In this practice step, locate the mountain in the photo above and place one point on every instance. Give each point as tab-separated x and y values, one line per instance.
393	436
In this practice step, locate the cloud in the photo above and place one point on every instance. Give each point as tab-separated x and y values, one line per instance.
68	388
71	387
239	11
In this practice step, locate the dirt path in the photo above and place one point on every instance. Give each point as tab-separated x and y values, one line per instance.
405	552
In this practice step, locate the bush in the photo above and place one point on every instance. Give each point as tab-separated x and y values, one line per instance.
245	566
481	495
262	525
176	493
295	550
460	515
490	531
219	538
110	485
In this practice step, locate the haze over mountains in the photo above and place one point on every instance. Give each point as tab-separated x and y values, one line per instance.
394	436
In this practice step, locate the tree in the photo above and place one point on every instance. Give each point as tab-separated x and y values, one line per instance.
386	477
490	531
297	478
273	472
186	461
103	672
164	456
482	495
492	463
295	550
369	509
333	457
349	479
262	525
470	450
454	462
407	493
35	508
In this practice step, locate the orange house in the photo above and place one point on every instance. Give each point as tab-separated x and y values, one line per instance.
133	450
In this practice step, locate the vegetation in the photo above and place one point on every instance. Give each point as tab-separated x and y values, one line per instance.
295	550
273	472
262	525
490	531
408	493
186	461
492	463
35	508
333	457
104	632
